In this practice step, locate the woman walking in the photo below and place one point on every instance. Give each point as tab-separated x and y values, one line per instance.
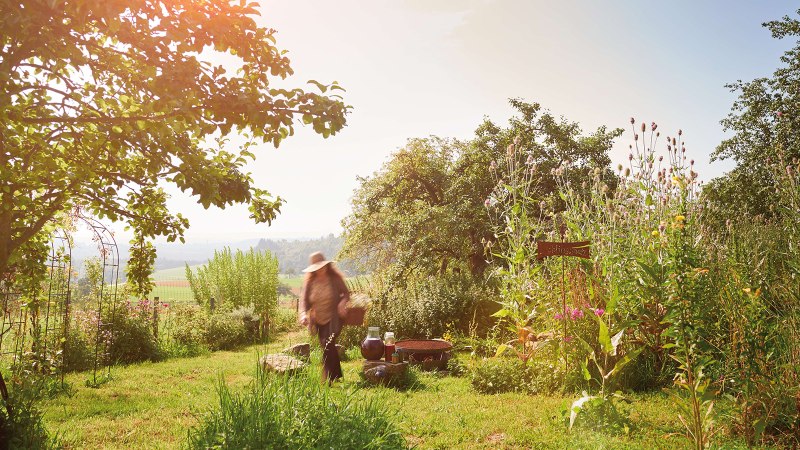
323	303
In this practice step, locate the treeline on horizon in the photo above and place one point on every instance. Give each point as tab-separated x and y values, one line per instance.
293	254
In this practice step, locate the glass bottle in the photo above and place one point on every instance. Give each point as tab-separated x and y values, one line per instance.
388	346
372	345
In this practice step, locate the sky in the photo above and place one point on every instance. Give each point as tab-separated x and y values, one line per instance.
415	68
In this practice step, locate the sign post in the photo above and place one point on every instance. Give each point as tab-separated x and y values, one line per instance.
575	249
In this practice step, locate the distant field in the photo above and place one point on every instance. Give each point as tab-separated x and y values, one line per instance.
172	286
173	274
293	281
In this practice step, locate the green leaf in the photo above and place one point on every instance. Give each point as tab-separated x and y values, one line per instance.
501	349
502	313
602	336
585	369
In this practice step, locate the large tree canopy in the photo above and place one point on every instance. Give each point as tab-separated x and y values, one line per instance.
102	101
424	210
766	130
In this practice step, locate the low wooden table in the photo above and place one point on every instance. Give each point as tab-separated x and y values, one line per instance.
382	372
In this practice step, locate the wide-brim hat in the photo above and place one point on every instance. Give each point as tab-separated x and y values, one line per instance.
316	261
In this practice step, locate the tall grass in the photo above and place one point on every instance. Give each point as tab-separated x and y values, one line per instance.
280	412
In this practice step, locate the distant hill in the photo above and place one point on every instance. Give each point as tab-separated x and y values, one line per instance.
293	254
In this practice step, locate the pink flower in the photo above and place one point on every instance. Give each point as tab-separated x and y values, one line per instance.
487	203
559	316
568	339
577	314
779	113
599	312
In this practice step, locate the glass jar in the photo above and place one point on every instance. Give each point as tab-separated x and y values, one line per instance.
372	345
388	346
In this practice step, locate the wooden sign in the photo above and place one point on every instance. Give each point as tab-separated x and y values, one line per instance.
545	249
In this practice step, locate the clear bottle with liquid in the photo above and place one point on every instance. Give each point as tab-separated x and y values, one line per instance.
388	345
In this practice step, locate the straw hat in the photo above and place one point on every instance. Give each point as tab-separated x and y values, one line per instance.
316	261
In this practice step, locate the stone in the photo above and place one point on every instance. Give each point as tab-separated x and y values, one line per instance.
381	372
281	363
303	350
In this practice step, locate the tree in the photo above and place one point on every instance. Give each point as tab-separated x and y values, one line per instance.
103	102
425	210
766	129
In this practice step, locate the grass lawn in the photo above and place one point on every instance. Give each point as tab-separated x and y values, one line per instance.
152	405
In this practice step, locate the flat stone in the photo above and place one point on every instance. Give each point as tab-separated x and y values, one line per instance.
302	350
281	363
381	372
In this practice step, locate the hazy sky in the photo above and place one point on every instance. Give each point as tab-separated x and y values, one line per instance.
414	68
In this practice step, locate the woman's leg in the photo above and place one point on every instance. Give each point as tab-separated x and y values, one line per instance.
331	366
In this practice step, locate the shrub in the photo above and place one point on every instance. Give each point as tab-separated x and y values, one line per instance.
250	320
283	320
236	280
320	418
78	352
497	375
133	339
187	325
225	332
25	428
425	307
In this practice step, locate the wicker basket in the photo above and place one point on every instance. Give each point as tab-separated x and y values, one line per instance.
355	316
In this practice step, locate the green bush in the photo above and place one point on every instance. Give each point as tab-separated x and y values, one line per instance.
25	428
250	320
496	375
319	418
283	320
78	352
426	307
236	280
133	339
186	326
226	332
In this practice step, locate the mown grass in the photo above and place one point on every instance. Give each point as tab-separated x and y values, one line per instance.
153	405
